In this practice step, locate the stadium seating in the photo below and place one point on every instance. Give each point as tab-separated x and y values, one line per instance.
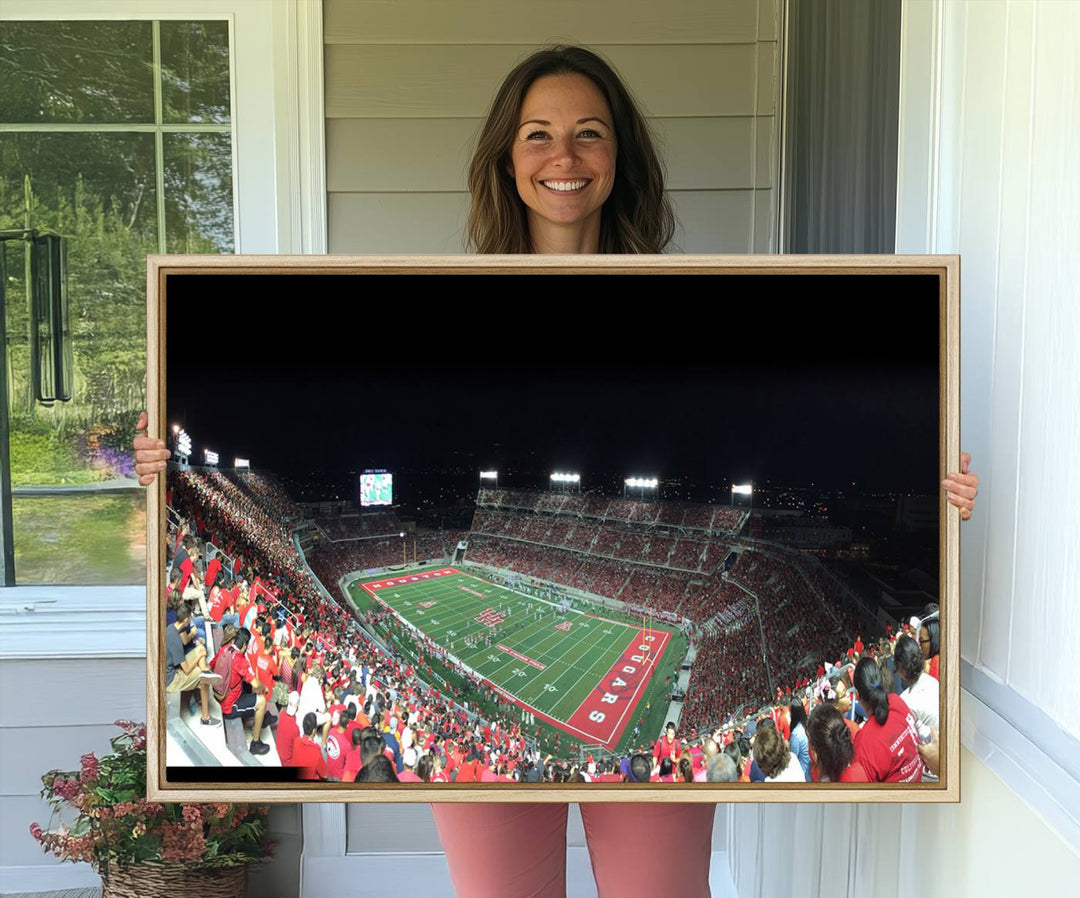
773	604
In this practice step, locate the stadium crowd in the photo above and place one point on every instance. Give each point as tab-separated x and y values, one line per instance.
715	519
341	706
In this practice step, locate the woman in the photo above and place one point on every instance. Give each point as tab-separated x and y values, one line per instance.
831	747
887	746
800	746
565	164
930	641
775	759
920	691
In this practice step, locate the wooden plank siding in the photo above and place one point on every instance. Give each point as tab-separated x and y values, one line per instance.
408	83
525	22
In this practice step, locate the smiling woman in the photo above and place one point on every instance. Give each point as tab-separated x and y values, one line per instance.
565	163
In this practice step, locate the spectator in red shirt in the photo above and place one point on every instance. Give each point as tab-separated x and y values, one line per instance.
307	753
667	746
265	666
354	760
887	745
338	745
237	702
831	747
288	731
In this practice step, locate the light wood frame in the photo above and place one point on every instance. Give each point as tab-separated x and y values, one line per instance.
946	268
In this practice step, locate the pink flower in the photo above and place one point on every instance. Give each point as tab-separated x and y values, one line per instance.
65	788
36	832
90	767
192	813
181	842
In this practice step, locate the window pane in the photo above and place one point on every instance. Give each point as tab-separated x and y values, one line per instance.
83	539
198	193
76	72
195	72
97	190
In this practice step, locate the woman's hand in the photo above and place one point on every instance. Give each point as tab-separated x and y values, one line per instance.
150	454
930	752
961	488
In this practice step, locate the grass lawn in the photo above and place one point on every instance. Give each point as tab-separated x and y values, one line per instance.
80	540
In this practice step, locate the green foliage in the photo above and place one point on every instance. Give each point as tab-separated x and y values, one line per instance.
81	538
116	825
99	190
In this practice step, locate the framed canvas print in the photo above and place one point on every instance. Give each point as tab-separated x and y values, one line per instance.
554	528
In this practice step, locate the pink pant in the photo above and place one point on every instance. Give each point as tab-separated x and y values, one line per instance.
519	850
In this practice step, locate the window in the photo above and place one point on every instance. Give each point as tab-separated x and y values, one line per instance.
118	136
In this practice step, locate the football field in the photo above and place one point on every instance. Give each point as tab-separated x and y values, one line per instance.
580	672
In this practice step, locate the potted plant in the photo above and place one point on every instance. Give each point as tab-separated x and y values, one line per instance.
143	848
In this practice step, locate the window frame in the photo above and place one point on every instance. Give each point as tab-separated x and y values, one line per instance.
276	59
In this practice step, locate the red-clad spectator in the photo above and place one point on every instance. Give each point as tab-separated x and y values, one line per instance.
887	745
307	753
338	746
213	568
237	702
266	668
288	731
832	749
667	746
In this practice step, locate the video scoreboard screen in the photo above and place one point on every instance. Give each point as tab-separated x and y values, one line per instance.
376	488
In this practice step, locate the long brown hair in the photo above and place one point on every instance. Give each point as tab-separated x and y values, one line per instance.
637	216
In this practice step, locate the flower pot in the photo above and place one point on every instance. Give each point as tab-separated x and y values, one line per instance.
173	880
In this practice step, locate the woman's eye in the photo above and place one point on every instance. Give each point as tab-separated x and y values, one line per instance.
589	132
536	135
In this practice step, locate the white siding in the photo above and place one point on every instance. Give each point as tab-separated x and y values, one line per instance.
69	669
989	143
1008	201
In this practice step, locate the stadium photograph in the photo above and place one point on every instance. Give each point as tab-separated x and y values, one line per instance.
519	529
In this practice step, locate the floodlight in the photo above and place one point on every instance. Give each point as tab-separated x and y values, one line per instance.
183	443
566	478
742	489
241	463
642	482
211	458
489	475
176	428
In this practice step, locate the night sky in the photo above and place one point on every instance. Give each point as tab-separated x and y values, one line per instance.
813	379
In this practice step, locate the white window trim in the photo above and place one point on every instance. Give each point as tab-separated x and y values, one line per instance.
277	94
280	203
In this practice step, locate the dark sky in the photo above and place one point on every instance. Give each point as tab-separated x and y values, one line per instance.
825	379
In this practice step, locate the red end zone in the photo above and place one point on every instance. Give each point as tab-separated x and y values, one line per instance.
406	579
606	711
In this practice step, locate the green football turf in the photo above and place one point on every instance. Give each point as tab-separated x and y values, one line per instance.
574	661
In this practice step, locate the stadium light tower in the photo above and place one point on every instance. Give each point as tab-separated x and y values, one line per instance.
183	444
241	463
742	489
642	484
566	481
491	477
210	457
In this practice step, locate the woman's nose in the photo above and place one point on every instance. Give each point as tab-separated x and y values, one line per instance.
564	149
